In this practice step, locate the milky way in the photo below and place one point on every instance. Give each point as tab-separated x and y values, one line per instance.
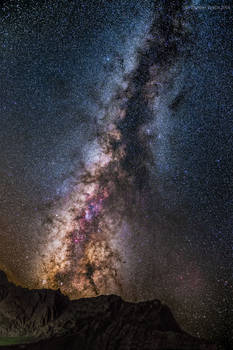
116	156
83	256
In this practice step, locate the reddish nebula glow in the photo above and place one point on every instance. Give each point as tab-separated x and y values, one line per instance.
89	216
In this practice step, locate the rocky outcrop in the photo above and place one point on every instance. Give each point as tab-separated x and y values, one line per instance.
24	311
104	322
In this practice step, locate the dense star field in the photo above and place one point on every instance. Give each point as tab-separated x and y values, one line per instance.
116	153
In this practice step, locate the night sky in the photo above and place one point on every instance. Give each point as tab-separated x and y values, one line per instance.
116	163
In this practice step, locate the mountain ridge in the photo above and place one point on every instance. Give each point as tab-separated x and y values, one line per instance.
104	322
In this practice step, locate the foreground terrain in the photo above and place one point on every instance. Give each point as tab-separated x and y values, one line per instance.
46	319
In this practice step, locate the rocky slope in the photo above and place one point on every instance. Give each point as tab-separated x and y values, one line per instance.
104	322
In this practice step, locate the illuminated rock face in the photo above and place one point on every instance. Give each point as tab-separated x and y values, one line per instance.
104	322
24	311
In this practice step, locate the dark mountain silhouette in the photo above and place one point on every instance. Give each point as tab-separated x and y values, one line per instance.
51	321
